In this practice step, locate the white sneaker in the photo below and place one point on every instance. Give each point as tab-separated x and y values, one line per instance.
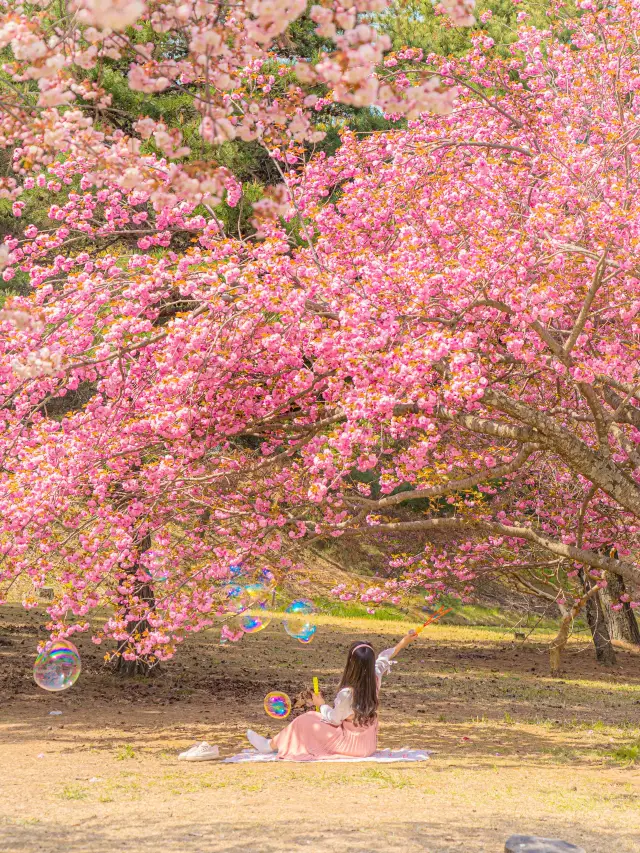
200	752
262	744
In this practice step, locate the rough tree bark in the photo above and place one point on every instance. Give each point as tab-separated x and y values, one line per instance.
594	610
559	642
143	591
622	624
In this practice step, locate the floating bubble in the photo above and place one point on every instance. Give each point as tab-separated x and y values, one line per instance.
256	619
157	565
235	570
161	576
299	621
257	616
307	635
58	667
277	704
237	598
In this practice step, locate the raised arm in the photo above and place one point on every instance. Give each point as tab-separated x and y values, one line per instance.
404	642
384	660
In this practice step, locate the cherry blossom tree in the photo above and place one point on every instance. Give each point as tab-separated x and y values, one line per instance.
115	195
438	335
493	291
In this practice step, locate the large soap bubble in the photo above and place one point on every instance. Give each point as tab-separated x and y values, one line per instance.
157	565
257	616
299	621
277	704
58	667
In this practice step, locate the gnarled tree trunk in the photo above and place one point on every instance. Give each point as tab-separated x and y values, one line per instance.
605	653
144	592
559	642
622	624
561	639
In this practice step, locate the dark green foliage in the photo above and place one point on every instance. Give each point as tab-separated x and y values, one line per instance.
414	23
301	42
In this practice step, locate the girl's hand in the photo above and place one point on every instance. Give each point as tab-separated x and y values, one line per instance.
318	699
404	642
408	638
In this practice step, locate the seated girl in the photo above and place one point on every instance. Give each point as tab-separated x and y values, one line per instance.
348	729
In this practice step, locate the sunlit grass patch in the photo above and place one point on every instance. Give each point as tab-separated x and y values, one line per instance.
125	752
628	754
74	792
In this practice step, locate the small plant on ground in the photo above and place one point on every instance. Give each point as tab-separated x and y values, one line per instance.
125	752
73	792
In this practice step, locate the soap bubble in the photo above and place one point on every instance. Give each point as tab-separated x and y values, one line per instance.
257	616
256	591
237	599
299	621
277	704
157	565
58	667
307	634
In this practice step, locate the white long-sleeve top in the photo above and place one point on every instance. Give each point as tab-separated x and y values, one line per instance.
342	707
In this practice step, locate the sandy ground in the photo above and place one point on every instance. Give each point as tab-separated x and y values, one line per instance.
514	751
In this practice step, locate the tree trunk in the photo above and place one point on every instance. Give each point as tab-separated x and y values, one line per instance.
605	653
560	641
622	624
143	665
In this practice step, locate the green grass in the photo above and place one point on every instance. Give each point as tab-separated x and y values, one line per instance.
627	754
386	778
461	614
125	752
354	610
73	792
496	617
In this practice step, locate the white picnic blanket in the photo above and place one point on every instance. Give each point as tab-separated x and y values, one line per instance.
382	756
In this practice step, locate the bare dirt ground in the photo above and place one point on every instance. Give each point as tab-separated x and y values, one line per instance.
514	751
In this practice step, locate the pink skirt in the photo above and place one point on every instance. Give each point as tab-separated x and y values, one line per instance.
308	738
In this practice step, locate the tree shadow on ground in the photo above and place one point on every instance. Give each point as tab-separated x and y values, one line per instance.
239	836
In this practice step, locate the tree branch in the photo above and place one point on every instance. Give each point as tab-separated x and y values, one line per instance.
451	486
629	571
578	326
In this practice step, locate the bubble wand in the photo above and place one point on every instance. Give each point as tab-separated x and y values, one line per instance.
432	618
316	690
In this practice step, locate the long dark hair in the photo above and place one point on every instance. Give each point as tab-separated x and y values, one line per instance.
360	675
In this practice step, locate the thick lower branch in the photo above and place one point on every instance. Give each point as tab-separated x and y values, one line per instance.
594	466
